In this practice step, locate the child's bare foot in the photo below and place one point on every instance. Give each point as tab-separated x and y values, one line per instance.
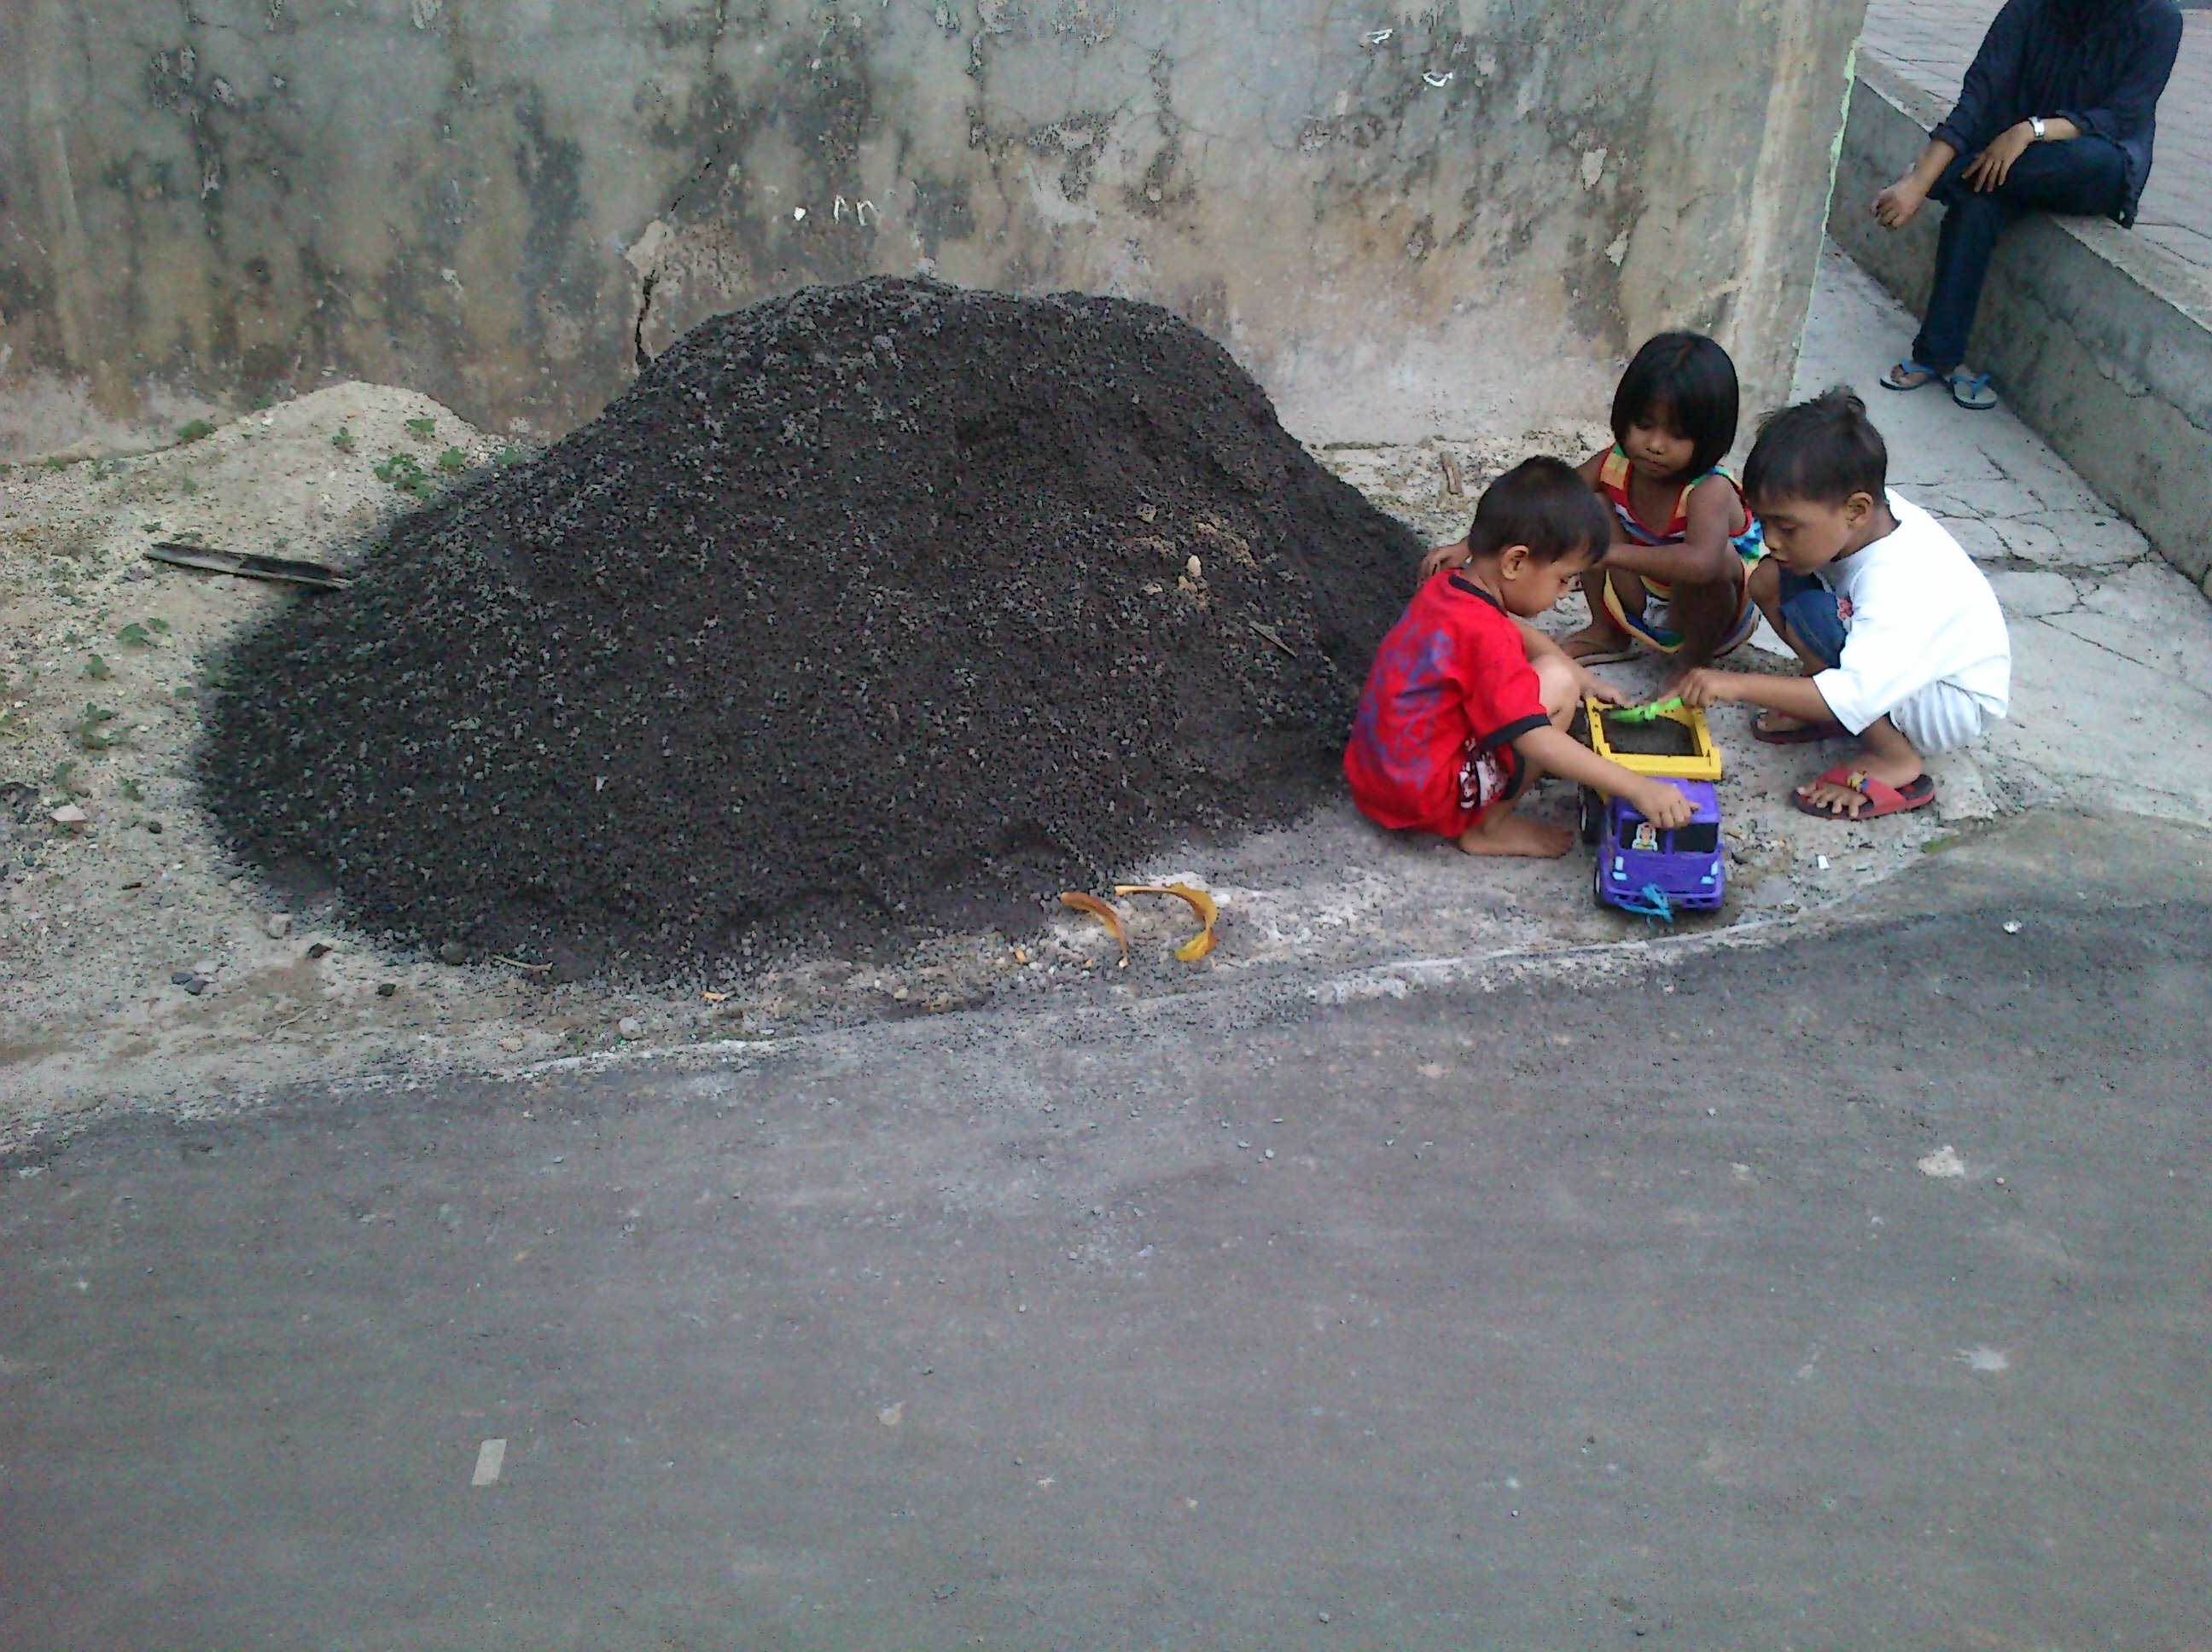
1828	797
1775	729
1599	645
1505	832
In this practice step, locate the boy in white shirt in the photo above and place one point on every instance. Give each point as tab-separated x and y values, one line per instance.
1903	643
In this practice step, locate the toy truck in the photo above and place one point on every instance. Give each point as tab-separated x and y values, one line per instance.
1645	869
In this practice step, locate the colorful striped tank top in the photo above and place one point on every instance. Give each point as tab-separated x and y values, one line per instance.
1613	481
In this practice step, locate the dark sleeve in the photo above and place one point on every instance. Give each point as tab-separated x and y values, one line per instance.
1991	80
2125	112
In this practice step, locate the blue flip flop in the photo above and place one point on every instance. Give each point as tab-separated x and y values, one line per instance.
1972	392
1904	369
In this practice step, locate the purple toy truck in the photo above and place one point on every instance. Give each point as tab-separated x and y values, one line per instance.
1651	872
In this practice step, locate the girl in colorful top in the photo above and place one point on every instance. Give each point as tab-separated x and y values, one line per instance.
1677	578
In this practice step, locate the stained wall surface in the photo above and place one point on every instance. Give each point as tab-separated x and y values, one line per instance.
1454	220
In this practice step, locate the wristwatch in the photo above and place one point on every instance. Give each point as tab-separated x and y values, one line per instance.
2035	125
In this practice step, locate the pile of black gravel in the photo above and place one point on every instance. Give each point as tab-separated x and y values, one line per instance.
867	610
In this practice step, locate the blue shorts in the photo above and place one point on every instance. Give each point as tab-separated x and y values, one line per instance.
1808	609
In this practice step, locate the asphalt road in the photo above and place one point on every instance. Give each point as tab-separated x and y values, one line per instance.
1607	1304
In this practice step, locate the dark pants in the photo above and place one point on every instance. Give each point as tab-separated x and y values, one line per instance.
2083	175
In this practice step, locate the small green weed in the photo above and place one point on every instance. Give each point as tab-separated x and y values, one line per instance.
403	472
133	791
57	463
452	460
96	668
155	622
194	430
344	440
65	780
135	635
91	731
510	455
188	488
423	429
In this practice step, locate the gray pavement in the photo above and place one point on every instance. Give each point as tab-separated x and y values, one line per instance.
1844	1292
1930	43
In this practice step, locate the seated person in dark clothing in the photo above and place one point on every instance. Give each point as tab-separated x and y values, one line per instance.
2057	113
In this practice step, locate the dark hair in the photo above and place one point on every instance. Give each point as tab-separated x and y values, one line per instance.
1544	504
1688	380
1822	451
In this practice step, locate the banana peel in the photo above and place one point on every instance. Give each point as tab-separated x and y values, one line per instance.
1199	902
1106	914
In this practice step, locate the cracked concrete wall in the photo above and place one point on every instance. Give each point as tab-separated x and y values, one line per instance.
1455	220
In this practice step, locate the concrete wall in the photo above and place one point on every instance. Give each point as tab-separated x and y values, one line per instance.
2099	340
1455	219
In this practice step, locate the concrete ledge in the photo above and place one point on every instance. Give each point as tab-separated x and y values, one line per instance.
2101	342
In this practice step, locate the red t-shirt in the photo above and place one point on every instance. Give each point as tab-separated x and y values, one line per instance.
1450	689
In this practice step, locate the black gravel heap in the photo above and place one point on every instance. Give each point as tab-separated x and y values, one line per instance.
865	611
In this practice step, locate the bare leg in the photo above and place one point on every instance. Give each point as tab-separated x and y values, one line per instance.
1884	755
1766	592
1501	831
1702	614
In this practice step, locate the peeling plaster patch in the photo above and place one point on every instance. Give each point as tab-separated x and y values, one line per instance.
1617	249
1593	168
425	12
1982	1358
644	254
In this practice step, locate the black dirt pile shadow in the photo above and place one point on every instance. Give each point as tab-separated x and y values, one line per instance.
867	611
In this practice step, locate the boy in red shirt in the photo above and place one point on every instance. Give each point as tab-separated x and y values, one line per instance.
1468	702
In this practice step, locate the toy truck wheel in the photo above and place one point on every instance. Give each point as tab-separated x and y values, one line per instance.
1593	814
1597	882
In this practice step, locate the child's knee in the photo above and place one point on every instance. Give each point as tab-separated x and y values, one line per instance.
1766	582
1559	683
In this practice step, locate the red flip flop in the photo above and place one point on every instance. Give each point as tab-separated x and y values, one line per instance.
1804	734
1882	799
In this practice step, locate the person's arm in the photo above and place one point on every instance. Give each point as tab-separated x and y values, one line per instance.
1793	696
1896	205
2125	112
1705	556
1537	646
1991	79
1454	555
1556	752
1993	165
1989	83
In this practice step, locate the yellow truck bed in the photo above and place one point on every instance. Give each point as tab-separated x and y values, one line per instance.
1701	764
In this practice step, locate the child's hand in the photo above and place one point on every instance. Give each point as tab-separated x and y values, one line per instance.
1455	554
1705	687
1660	804
1597	688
